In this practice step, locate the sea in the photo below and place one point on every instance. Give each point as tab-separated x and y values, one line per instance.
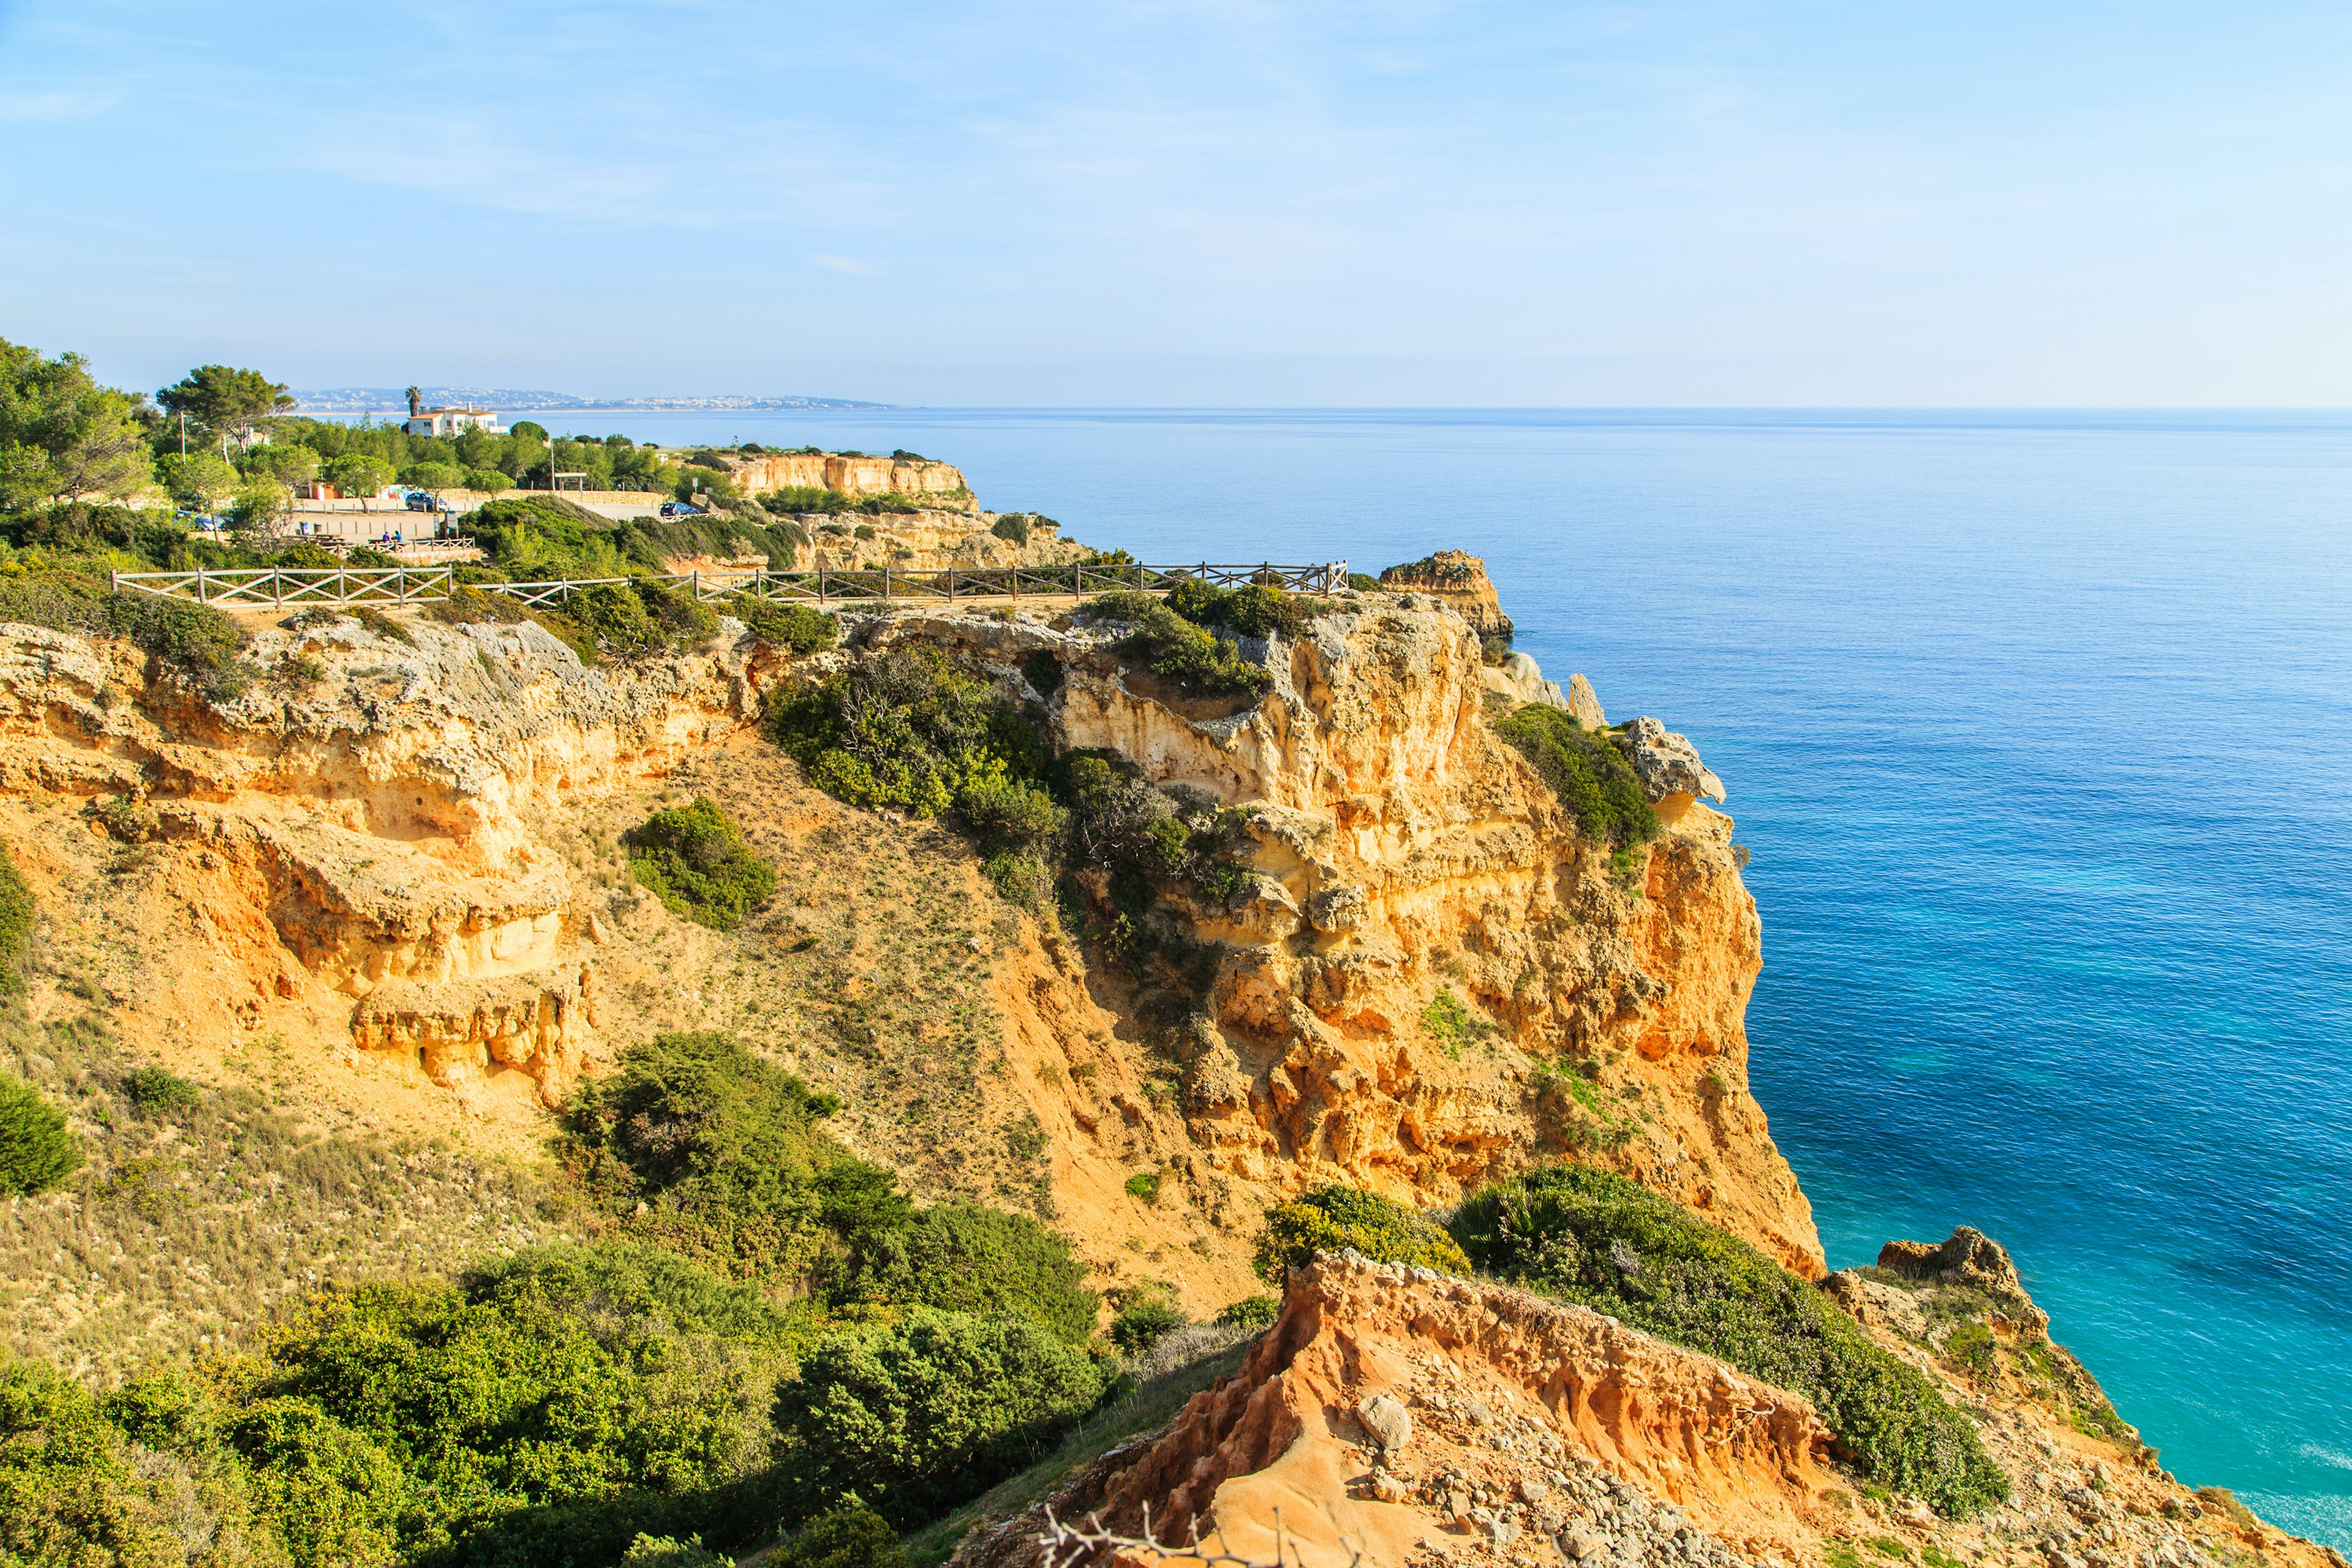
2037	727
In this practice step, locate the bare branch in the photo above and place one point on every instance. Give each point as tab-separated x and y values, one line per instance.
1068	1546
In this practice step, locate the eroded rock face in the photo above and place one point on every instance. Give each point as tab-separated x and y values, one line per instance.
849	476
1459	579
459	1033
1668	766
1528	1422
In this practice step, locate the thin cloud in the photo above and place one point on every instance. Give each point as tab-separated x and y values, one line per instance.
29	107
849	264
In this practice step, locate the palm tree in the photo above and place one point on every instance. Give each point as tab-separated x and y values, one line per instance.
415	399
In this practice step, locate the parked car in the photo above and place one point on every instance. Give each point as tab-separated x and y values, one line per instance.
681	509
418	500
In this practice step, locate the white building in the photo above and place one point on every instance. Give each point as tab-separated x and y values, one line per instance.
452	422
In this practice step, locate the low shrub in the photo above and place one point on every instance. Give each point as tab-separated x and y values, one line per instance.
1363	583
198	642
917	1416
908	729
696	861
725	1151
1177	651
962	1258
37	1151
1144	1185
1335	1219
668	1551
1599	1240
1252	1312
846	1538
1591	779
155	1091
1013	526
1147	1314
1009	816
795	627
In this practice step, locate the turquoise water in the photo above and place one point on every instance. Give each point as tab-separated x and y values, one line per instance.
2040	729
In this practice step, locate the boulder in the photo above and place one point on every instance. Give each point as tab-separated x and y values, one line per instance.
1667	765
1461	580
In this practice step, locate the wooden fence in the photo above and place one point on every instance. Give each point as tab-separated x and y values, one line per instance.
277	586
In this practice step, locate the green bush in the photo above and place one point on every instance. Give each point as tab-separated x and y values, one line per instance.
1363	583
962	1258
725	1151
552	1411
1592	780
1144	838
792	626
1010	818
1252	1312
1258	610
908	729
1144	1185
848	1537
696	861
917	1416
487	481
74	1489
1148	1314
36	1151
17	913
1013	526
1597	1239
1335	1219
668	1551
1179	651
155	1091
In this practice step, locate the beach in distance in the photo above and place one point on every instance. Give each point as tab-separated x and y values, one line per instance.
2039	727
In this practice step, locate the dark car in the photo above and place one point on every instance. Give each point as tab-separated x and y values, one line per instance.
680	509
419	501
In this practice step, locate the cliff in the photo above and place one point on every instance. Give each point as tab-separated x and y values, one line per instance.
1457	579
849	474
1415	1418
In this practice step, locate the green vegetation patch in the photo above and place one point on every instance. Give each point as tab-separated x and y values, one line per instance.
793	627
1452	1025
197	641
1335	1219
966	1258
36	1150
696	861
1174	648
1592	778
725	1151
908	729
1601	1240
913	1417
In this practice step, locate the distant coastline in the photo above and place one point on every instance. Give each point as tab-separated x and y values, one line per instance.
391	399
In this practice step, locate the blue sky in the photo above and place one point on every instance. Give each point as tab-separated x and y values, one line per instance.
1209	204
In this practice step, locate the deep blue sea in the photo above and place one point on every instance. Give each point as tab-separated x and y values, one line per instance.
2040	729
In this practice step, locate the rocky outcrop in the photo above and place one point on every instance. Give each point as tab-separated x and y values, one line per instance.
1668	767
1390	1410
1520	678
930	541
845	474
460	1033
1425	941
1458	579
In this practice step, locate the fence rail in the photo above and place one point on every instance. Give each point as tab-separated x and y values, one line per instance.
277	586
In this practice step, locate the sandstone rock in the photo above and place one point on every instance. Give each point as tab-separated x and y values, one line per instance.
1457	579
1388	1423
1667	765
1584	702
1968	1260
1520	678
1388	1488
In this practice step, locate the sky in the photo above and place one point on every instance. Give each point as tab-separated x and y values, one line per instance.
1226	204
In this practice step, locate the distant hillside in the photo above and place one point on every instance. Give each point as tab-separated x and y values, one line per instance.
380	399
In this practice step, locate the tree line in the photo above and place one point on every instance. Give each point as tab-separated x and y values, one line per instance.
64	435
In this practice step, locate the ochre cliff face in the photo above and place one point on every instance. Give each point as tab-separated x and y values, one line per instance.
1412	865
1540	1411
849	476
1430	981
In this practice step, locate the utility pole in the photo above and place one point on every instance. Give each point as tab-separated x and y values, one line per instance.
183	435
